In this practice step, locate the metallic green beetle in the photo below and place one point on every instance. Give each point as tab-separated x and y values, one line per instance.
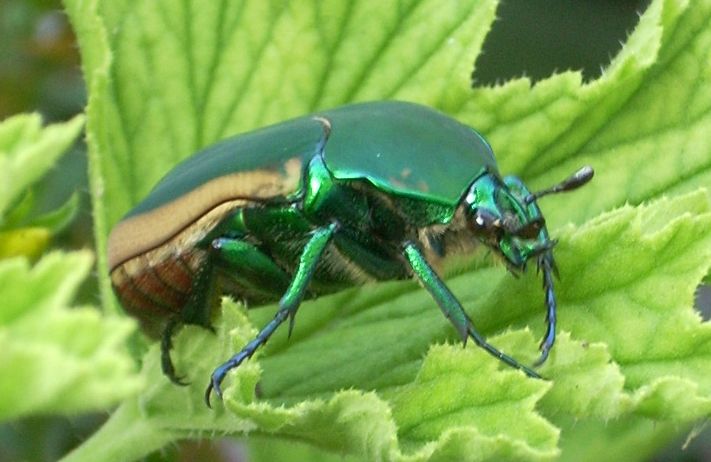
366	192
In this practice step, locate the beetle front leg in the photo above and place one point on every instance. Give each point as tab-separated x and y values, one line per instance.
451	307
289	303
547	265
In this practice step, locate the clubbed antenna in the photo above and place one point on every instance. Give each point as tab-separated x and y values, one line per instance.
574	181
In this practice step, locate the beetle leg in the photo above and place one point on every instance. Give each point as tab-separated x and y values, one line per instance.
195	311
289	303
203	296
451	307
547	265
166	344
249	266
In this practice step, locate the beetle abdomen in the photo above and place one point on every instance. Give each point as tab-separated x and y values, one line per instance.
152	290
155	255
157	283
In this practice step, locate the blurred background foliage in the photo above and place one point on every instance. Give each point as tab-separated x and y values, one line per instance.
39	71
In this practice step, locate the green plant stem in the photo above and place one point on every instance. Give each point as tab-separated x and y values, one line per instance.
127	435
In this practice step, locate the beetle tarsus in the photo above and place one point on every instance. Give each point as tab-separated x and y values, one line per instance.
245	353
208	392
548	267
166	345
220	373
179	380
451	307
292	320
545	350
503	357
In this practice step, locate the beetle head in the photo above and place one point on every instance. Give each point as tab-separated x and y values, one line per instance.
500	217
505	216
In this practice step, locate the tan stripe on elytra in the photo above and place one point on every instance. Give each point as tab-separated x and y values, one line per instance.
179	248
202	207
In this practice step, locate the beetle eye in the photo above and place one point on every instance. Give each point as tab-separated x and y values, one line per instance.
485	222
530	230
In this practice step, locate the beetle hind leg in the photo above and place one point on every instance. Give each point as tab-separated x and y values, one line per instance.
166	344
288	304
196	311
452	309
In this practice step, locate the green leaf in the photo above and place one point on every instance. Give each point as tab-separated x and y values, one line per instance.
456	400
57	220
27	242
643	125
28	151
19	210
263	449
30	237
57	358
353	378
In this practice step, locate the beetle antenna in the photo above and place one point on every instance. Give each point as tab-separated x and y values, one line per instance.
574	181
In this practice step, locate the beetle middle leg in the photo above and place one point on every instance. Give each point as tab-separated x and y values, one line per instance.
452	308
289	303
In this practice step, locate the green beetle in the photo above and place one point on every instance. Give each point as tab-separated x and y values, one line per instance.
365	192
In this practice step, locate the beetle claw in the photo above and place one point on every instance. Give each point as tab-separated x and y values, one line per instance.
214	385
208	392
292	320
179	380
169	372
545	350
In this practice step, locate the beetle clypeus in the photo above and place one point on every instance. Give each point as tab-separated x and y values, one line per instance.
365	192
